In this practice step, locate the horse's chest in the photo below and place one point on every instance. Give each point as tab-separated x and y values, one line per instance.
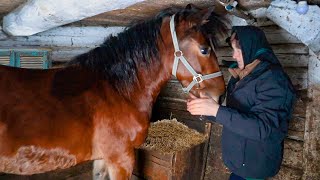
117	134
32	160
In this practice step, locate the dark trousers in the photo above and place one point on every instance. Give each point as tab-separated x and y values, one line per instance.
236	177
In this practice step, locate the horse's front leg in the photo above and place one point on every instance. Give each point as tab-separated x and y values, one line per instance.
117	167
100	170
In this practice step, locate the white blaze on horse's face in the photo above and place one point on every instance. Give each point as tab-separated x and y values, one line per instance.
202	50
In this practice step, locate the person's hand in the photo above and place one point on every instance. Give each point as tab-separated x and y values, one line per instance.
204	105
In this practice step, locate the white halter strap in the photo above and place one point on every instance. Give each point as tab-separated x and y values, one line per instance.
178	55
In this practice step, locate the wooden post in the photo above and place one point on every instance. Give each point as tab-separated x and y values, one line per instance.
311	151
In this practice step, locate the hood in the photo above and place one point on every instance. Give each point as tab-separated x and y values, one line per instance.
254	45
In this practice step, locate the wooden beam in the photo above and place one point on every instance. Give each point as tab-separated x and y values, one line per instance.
9	5
253	4
275	35
298	76
311	151
40	15
72	37
289	60
296	49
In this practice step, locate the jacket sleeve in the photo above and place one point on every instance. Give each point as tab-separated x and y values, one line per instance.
268	117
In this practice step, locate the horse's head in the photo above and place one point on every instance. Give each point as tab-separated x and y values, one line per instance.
193	59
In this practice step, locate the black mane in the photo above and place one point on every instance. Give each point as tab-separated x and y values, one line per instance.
117	60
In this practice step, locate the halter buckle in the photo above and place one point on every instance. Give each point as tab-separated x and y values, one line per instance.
198	78
178	53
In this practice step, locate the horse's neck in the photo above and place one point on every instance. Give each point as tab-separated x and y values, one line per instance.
153	82
157	78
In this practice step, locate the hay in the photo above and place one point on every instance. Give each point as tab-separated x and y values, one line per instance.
169	136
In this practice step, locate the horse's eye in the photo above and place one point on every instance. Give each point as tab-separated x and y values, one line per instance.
205	50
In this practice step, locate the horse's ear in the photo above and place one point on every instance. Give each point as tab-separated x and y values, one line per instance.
201	17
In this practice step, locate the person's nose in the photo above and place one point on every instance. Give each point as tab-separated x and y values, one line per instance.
234	55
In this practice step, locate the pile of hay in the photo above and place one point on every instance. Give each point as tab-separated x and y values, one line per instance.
168	136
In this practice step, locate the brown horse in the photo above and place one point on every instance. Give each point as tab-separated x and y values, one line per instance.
99	106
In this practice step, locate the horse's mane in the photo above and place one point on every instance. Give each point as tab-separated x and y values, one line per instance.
117	60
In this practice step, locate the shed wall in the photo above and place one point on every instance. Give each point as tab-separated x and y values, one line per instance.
66	42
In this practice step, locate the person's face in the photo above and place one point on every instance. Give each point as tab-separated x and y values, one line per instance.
237	54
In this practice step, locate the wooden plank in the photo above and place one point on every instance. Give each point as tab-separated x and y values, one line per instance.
173	89
148	169
297	124
156	157
65	37
289	60
277	35
215	166
190	163
9	5
171	97
139	11
298	76
170	108
277	49
312	132
247	4
59	54
295	135
171	104
167	109
274	35
300	104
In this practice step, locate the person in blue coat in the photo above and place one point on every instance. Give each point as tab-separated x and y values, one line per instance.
259	103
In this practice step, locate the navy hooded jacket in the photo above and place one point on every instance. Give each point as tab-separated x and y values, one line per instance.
259	106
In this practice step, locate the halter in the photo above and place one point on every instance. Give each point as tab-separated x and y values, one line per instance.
178	55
